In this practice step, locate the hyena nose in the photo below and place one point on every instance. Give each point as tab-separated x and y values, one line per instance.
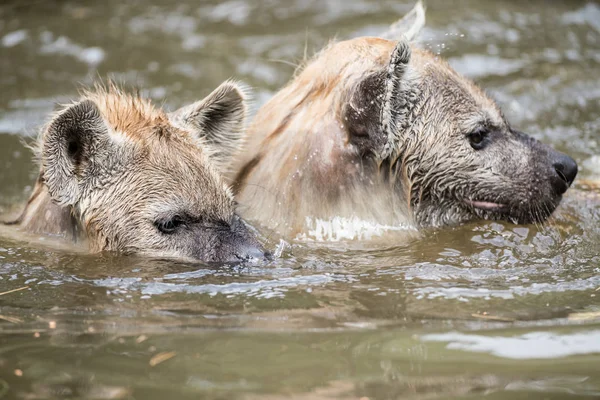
566	168
252	253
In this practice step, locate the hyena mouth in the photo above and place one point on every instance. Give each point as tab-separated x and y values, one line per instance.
486	205
526	214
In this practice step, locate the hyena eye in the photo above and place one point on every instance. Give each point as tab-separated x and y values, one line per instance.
477	139
169	225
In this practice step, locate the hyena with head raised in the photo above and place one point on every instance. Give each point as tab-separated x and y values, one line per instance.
386	132
122	175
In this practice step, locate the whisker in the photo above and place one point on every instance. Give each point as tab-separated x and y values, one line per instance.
286	62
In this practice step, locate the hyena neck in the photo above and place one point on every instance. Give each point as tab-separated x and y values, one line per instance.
348	199
42	216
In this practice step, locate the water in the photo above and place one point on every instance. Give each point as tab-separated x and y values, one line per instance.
494	309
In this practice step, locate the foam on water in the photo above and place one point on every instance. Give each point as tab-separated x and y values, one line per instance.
264	288
463	294
532	345
342	228
63	45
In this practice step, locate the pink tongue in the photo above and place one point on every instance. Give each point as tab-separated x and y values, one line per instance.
486	205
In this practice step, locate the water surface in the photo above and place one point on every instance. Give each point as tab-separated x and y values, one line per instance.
487	309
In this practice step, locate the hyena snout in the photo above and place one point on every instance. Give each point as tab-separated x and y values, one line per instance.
250	252
238	243
565	169
557	168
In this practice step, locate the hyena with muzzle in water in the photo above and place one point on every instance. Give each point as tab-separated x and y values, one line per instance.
384	131
122	175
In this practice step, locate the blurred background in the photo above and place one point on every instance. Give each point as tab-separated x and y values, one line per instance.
538	58
510	312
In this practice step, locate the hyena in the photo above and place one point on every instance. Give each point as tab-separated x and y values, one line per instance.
121	175
387	132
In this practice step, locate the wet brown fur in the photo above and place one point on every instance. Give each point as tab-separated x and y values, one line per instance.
313	106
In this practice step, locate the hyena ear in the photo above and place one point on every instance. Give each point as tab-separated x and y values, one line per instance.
218	119
409	26
74	140
379	106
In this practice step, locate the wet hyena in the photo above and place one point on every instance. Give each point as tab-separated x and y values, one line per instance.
387	132
124	176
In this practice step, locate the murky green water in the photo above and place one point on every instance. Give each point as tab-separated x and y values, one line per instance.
487	309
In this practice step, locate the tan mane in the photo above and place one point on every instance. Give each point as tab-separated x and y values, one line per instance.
126	113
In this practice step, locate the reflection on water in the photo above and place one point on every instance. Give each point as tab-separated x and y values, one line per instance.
494	309
532	345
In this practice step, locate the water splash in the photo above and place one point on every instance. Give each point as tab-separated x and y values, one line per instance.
341	228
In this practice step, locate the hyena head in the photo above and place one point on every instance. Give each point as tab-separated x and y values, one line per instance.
140	180
449	148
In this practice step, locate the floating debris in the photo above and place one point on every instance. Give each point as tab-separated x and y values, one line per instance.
14	290
493	317
8	318
162	357
584	316
141	338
